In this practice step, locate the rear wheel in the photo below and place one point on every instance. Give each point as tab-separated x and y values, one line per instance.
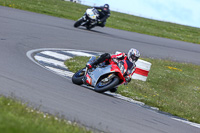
88	27
78	23
78	76
105	85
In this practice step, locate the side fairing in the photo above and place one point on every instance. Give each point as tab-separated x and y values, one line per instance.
98	72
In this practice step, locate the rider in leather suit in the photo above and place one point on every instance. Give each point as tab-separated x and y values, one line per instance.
104	12
130	58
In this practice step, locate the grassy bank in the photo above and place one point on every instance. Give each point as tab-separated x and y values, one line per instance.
18	118
172	87
117	20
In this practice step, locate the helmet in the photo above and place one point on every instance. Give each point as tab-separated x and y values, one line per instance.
106	6
133	55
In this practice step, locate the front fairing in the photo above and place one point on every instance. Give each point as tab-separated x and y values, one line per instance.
92	13
98	72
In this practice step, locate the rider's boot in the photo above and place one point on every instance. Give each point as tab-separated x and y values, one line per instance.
102	24
101	59
93	64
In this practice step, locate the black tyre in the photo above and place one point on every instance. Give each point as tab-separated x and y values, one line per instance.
88	27
77	77
102	86
78	23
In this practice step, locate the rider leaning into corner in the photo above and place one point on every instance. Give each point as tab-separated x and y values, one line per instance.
104	13
130	58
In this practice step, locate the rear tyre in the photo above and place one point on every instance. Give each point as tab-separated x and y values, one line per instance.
88	27
78	76
102	86
78	23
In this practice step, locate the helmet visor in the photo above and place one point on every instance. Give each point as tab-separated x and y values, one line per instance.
134	58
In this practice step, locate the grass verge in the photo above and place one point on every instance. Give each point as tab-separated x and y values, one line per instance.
172	87
117	20
18	118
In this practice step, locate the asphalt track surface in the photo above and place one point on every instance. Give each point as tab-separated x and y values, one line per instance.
21	31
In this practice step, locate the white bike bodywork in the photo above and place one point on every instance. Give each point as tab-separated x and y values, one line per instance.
92	13
89	19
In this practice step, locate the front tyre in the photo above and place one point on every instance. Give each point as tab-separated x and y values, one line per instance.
103	86
78	76
78	23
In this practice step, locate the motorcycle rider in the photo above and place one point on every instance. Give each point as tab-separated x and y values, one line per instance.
104	12
130	58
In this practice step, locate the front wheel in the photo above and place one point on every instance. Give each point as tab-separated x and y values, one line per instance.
78	23
104	85
78	76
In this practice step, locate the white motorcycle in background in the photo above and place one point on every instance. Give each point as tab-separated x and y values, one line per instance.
89	19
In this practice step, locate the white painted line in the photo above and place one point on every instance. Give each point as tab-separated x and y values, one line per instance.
61	72
78	53
50	61
188	122
118	96
70	74
124	98
56	55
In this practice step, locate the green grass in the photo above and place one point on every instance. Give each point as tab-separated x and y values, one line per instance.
117	20
174	91
18	118
172	87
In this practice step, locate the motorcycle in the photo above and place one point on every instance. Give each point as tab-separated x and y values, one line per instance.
89	19
103	77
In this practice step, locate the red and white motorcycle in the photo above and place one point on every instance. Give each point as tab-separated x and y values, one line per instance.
103	77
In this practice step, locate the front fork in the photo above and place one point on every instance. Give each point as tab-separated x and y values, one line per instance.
85	21
86	71
85	78
84	17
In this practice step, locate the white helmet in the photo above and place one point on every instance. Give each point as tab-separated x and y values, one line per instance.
133	55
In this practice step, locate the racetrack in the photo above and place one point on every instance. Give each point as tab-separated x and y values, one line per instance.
22	31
